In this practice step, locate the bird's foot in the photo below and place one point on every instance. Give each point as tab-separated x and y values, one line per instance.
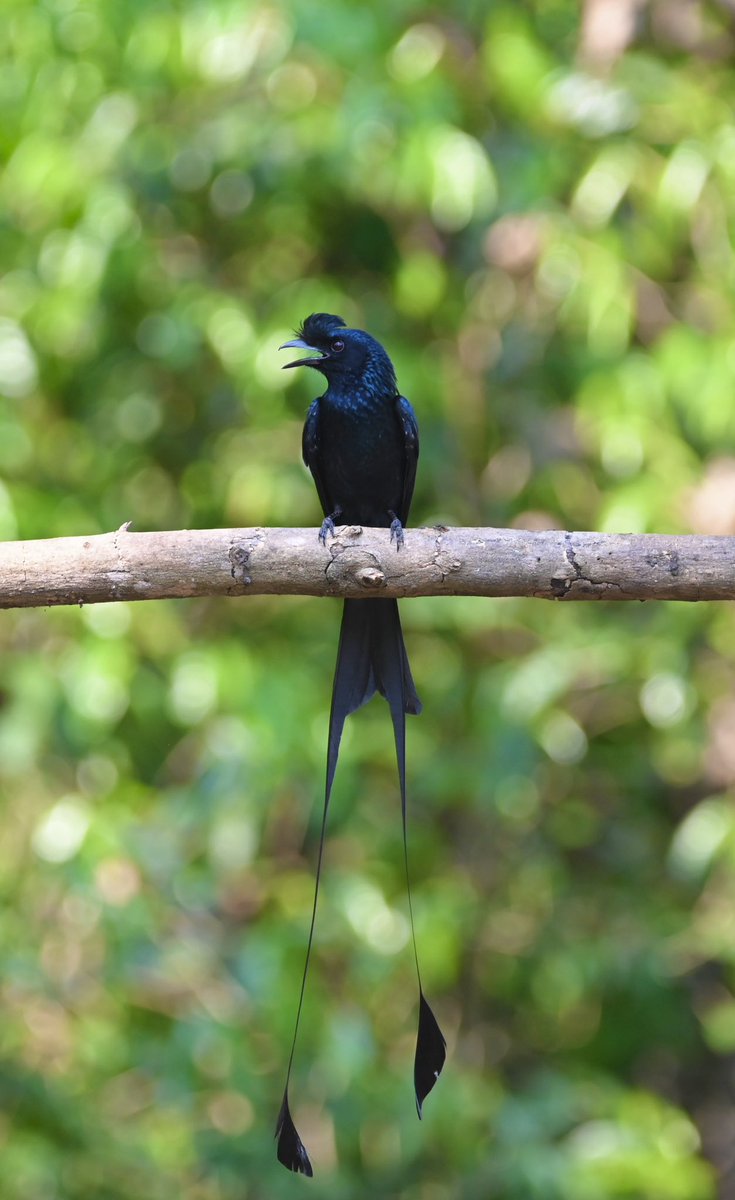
328	526
326	529
396	531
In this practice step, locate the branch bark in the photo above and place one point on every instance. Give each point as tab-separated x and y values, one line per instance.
551	565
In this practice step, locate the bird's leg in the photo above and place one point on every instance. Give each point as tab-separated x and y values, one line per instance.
396	530
328	525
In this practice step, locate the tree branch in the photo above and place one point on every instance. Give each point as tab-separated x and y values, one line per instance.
551	565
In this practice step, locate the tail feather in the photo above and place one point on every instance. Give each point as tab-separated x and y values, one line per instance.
371	657
370	644
394	680
389	649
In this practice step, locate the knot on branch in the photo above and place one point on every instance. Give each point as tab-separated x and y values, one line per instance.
354	566
351	564
371	577
239	558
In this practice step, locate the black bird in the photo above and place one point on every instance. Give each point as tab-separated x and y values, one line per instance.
361	444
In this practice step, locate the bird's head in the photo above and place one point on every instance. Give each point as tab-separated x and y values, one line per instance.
339	353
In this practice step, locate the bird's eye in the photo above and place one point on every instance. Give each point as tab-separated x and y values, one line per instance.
338	346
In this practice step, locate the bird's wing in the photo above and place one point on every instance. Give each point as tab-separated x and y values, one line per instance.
410	431
312	456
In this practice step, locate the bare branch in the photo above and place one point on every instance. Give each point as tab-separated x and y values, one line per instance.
551	565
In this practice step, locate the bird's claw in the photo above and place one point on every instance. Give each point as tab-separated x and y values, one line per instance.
396	531
327	528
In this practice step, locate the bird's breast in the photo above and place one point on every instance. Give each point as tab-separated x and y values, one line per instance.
362	457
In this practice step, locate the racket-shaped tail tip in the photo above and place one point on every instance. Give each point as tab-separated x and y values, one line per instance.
291	1150
431	1051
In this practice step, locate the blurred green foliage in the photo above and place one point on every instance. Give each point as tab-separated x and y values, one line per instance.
532	205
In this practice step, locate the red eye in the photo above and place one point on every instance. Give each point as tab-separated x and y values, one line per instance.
338	346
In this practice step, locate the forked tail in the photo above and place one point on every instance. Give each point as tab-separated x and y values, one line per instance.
371	657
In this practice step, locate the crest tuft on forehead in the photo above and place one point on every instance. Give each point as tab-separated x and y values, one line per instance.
319	327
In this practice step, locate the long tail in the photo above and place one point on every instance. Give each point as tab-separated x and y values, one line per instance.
371	658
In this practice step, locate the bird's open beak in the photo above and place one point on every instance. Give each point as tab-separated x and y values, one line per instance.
300	344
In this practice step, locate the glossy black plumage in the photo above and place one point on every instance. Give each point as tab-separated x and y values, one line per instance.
291	1150
361	445
427	1065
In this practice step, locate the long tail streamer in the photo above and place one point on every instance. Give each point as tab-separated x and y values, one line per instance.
371	657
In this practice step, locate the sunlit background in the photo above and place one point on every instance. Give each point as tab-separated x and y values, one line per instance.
533	206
